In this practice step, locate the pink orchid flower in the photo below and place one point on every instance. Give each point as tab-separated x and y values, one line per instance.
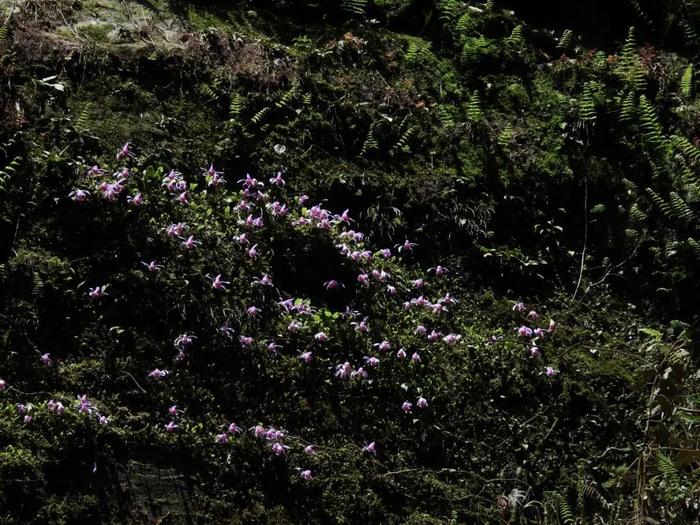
333	285
434	336
362	326
171	427
370	448
184	340
79	195
407	406
440	271
136	200
416	357
277	180
532	316
406	246
263	281
279	450
152	266
46	359
125	151
219	284
540	332
451	339
306	357
190	243
384	346
306	475
56	407
84	405
176	230
343	370
372	361
422	402
401	354
360	372
550	372
525	331
98	292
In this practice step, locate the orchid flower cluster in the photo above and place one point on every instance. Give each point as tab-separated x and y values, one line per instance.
534	335
379	277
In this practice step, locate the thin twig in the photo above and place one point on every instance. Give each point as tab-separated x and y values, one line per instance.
136	382
585	234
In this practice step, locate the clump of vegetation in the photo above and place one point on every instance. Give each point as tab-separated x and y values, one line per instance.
343	261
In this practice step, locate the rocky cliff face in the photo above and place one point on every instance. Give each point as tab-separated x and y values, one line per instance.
231	231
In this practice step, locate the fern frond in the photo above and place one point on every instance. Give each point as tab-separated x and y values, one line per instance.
418	51
679	209
691	36
557	503
687	81
465	23
659	202
356	7
260	115
652	130
630	66
4	31
505	137
673	488
445	116
516	38
83	121
449	10
286	98
629	107
8	171
566	39
370	143
587	108
208	91
402	143
637	216
474	112
683	145
235	106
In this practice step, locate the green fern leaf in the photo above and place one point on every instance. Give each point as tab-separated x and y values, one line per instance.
474	112
259	116
356	7
566	39
687	81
